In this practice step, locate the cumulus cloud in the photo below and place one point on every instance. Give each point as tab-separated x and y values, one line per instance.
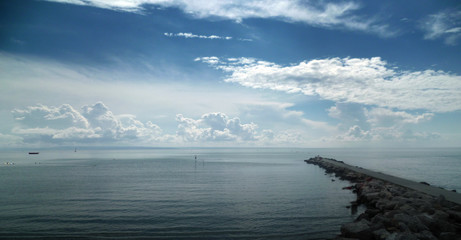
327	14
218	127
43	116
98	124
444	25
355	133
359	123
387	117
215	127
367	81
355	114
95	123
191	35
382	134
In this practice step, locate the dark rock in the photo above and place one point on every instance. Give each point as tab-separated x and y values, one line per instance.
379	219
344	238
372	212
425	207
363	216
412	222
394	212
371	196
449	236
425	235
390	214
360	230
440	215
428	221
455	215
381	234
386	205
444	226
441	202
402	227
403	236
407	208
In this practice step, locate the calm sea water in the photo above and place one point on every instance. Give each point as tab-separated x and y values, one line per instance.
166	193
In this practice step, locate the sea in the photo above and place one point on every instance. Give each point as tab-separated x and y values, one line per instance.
195	193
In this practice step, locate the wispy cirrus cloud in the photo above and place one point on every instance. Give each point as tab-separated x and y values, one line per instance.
324	14
367	81
444	25
191	35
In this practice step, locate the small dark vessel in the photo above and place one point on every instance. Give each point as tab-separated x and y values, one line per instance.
33	152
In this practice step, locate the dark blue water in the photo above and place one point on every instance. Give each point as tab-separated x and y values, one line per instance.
165	193
233	193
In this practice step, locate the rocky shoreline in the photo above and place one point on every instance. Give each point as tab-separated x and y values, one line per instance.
394	212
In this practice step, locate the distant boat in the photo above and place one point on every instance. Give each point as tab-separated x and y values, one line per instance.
33	152
75	150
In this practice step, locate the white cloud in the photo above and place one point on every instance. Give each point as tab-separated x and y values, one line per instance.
155	97
96	123
215	127
209	60
354	80
387	117
328	14
445	25
361	124
391	136
289	138
191	35
355	133
43	116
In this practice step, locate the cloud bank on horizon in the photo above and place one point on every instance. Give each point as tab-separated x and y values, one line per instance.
97	124
230	73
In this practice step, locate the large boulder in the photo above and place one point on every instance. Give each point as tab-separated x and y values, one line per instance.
381	234
425	235
402	236
360	230
449	236
412	222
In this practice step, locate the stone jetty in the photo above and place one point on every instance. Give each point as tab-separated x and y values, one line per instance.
397	208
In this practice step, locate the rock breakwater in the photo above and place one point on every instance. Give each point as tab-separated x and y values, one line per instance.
394	212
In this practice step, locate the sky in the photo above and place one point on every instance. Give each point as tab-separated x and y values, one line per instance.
230	73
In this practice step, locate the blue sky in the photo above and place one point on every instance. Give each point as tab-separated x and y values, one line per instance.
230	73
